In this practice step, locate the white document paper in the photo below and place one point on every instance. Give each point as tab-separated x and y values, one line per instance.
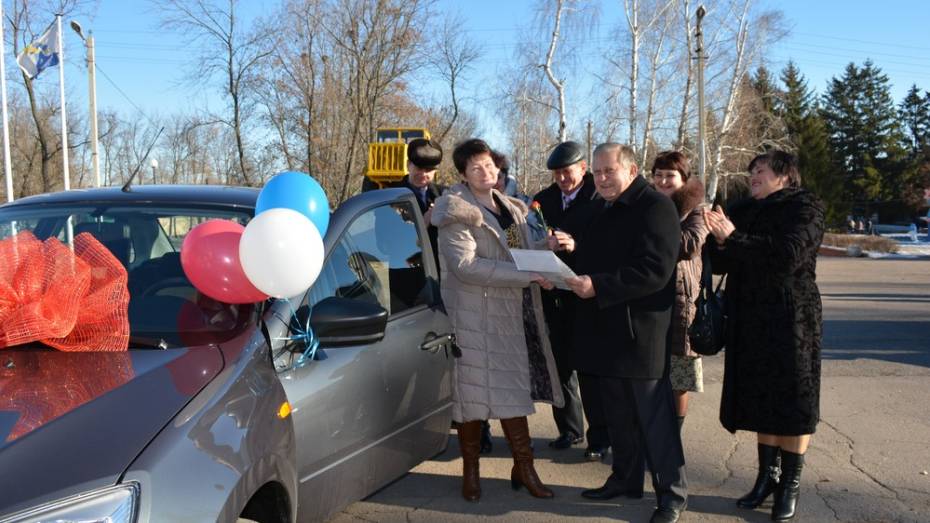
544	263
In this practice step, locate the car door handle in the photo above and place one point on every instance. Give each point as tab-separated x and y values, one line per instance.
433	342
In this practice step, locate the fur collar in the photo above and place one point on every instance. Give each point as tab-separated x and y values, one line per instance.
689	197
458	204
451	208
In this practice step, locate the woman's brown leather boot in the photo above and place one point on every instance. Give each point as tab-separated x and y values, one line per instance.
518	435
470	445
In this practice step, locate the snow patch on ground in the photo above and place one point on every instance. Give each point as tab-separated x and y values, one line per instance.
907	248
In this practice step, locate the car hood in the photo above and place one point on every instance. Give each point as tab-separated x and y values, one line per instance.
73	421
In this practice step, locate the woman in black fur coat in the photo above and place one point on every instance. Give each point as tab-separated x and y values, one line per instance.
768	248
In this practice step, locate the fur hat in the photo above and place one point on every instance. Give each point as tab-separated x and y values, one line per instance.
425	154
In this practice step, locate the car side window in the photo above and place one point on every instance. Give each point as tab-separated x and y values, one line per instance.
378	259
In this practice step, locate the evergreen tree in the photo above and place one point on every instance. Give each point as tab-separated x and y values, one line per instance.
809	137
765	87
914	112
918	184
797	100
759	128
865	133
884	133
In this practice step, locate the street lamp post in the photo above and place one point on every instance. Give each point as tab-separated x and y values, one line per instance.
92	98
699	33
7	161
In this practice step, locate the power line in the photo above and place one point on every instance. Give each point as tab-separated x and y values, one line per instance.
137	45
128	31
144	59
126	96
839	66
823	53
846	49
871	42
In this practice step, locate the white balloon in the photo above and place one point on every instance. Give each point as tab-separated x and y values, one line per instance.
281	252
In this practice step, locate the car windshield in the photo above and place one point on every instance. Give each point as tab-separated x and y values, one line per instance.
165	310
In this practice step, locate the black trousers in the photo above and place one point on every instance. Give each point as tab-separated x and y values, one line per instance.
643	429
570	417
594	412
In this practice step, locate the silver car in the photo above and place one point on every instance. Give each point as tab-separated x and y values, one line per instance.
218	412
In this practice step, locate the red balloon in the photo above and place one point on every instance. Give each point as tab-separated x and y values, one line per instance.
210	258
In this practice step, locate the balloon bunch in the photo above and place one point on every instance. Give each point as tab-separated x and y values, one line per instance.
278	254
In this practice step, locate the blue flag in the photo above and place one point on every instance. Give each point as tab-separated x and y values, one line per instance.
40	54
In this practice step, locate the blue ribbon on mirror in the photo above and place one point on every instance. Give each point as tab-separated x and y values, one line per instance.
301	334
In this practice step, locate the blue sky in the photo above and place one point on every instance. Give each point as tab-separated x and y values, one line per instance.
826	35
144	67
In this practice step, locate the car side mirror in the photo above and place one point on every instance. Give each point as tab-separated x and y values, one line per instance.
344	322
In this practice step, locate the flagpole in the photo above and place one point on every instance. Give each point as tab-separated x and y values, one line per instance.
64	118
7	166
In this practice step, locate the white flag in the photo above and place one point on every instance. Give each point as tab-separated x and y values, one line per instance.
40	54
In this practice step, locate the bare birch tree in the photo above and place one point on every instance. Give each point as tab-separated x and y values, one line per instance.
632	10
559	85
652	100
227	50
454	54
542	51
527	108
659	57
292	83
747	36
377	40
640	27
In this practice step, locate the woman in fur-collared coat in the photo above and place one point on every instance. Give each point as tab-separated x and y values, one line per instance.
496	314
767	245
671	175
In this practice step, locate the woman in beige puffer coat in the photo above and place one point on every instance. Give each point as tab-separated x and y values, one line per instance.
671	175
496	314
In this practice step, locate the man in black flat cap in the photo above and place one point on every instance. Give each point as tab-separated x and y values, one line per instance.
566	207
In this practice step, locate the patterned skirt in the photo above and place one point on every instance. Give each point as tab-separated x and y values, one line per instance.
687	374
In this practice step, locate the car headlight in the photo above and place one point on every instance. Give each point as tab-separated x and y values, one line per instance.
108	505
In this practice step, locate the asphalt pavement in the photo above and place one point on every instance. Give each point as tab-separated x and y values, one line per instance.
868	461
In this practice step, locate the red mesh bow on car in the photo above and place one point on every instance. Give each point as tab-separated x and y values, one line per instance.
72	301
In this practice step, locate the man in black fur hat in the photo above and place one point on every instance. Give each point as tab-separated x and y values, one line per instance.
423	158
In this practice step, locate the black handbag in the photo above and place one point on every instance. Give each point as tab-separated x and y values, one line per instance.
707	332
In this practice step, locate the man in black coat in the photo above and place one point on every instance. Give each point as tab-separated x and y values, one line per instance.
566	206
626	261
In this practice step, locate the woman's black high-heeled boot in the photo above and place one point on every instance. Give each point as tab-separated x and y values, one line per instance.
766	481
785	503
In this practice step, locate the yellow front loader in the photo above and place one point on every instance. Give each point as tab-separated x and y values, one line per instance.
387	155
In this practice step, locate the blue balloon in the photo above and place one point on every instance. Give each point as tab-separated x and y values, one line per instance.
297	191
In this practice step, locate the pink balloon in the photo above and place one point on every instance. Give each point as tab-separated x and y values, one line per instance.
210	259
